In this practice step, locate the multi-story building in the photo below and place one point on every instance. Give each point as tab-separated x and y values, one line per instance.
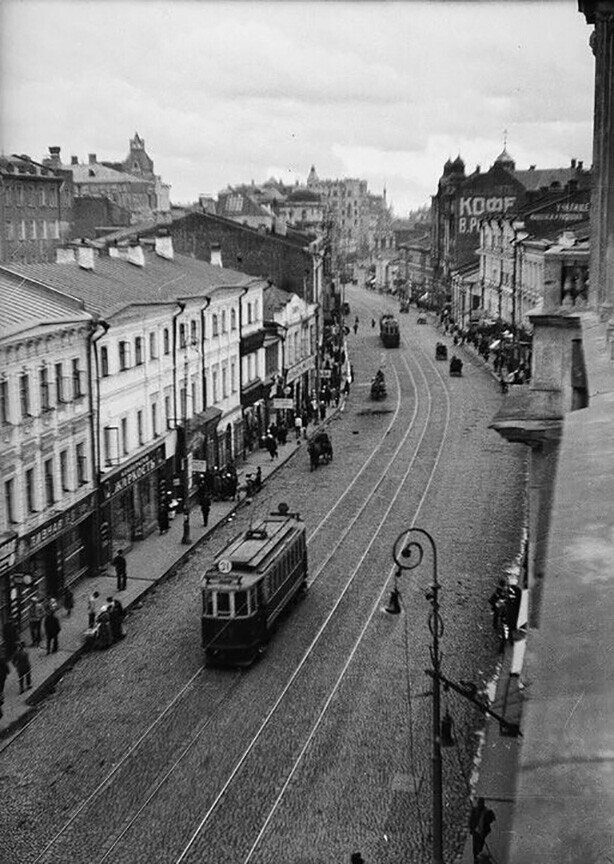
167	373
47	522
35	209
346	206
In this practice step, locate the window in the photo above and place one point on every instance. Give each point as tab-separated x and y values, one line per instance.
22	229
183	405
54	229
214	378
166	341
214	326
59	384
104	361
77	392
19	195
233	376
224	382
44	388
52	196
193	388
124	356
10	234
154	420
249	313
153	346
30	490
241	607
107	443
167	411
255	310
193	333
81	464
64	470
233	319
124	431
182	339
223	603
48	468
9	500
41	196
224	329
24	394
138	350
4	401
33	229
139	425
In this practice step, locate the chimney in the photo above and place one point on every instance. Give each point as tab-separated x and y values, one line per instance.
580	165
136	255
164	247
85	257
64	255
54	158
91	158
74	160
531	167
478	169
573	163
216	254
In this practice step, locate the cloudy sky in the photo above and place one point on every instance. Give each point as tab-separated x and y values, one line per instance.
226	92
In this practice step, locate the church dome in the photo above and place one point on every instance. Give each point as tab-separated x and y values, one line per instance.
505	160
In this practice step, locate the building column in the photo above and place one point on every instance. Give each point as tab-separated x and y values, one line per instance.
601	15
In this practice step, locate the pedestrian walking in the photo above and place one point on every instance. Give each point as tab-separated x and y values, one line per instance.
21	661
91	609
322	410
346	387
355	327
105	634
119	562
116	614
163	519
52	630
298	426
271	446
36	613
10	637
480	820
4	671
69	601
205	506
372	322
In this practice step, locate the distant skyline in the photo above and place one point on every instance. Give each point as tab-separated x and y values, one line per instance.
230	92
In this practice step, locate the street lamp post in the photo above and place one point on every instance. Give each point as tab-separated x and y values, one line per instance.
408	553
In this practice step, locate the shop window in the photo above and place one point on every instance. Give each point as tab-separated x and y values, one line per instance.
138	350
104	361
4	401
30	500
44	388
77	390
24	394
124	356
64	470
139	426
233	319
153	346
48	470
9	500
81	464
166	341
124	431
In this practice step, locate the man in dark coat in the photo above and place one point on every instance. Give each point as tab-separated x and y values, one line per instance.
119	562
9	634
480	820
116	613
52	629
21	661
204	502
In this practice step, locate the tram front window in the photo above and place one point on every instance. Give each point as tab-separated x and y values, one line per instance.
223	603
209	603
241	609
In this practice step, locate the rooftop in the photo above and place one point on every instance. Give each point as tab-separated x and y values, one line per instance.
24	305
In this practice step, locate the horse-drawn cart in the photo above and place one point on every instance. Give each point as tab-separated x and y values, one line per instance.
320	449
441	351
378	386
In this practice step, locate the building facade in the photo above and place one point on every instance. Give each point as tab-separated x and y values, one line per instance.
48	518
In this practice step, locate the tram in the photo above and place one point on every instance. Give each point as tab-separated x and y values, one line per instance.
251	582
389	331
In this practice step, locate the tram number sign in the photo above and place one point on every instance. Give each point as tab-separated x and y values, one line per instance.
224	566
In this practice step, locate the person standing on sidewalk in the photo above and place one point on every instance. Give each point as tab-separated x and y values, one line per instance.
69	601
119	562
204	502
21	662
480	820
298	426
91	609
36	615
52	630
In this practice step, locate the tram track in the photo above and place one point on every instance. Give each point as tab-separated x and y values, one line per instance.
354	487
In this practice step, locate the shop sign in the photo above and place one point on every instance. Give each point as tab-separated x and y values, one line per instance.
199	466
52	529
280	404
300	368
132	473
473	208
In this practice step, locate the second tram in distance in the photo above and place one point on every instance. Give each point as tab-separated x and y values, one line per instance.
252	581
389	331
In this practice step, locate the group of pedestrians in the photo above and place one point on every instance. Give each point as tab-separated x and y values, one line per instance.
105	626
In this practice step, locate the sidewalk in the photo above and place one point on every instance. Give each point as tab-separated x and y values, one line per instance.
149	561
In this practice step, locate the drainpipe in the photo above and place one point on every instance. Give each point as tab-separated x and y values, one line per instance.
94	374
202	350
181	305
